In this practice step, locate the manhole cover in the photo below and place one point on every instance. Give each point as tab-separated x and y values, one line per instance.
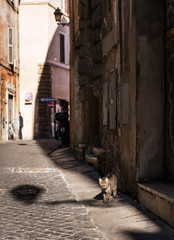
27	193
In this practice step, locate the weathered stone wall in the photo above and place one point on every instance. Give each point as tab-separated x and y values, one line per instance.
87	52
105	49
119	54
117	82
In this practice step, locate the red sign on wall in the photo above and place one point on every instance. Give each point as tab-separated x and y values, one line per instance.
28	97
51	104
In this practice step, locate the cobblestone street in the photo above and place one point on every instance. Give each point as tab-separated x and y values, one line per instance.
35	202
45	193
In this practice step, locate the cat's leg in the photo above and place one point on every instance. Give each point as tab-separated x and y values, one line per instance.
115	192
103	197
106	197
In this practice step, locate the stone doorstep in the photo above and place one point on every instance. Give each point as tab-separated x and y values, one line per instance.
79	153
99	151
159	199
93	159
83	146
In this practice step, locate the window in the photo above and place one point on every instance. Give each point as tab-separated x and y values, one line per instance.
67	6
62	48
10	45
63	5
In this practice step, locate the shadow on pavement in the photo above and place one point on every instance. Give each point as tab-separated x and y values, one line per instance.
27	193
93	202
148	227
73	201
22	144
144	235
49	145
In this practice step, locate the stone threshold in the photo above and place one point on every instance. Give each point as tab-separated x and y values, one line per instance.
163	190
158	197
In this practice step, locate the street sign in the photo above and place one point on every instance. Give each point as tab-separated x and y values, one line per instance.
47	99
28	97
51	104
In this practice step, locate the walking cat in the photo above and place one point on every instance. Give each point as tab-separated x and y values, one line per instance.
108	186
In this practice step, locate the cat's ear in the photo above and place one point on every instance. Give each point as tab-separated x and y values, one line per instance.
106	180
100	180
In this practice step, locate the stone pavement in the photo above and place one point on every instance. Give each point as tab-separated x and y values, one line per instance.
35	202
45	193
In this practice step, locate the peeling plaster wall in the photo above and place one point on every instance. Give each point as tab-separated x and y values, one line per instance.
119	53
9	73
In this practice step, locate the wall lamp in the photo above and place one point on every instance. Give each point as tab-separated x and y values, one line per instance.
58	14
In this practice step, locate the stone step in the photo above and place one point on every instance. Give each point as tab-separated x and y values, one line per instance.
83	146
44	91
99	151
79	153
44	79
158	198
92	158
45	85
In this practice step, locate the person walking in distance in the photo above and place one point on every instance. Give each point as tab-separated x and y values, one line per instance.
20	125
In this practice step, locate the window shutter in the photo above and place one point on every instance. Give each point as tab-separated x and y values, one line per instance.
10	45
63	5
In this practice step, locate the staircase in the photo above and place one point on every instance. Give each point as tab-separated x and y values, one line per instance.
43	115
91	157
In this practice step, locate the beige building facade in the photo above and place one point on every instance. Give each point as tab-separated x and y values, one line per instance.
44	65
9	69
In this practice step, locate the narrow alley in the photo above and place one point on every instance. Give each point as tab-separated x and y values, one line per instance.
87	89
45	193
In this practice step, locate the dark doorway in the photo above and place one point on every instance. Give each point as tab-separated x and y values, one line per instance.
10	108
10	117
93	116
